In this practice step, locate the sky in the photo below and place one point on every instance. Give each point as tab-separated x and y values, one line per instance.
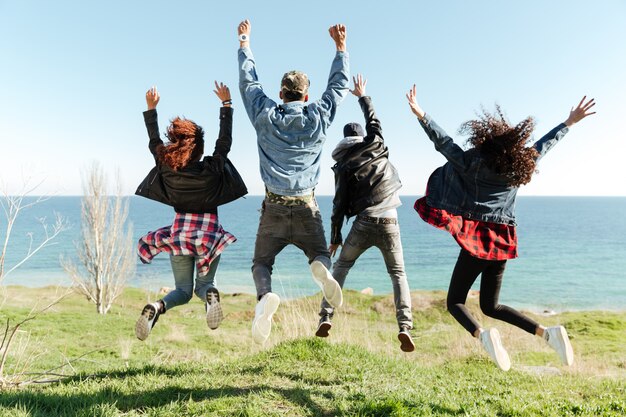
73	76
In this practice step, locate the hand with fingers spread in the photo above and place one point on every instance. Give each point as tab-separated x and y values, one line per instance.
338	33
152	98
580	112
243	30
359	85
223	93
415	108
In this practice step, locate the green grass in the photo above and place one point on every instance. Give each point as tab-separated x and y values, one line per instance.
184	369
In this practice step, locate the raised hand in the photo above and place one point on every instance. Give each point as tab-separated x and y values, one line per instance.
338	33
152	98
332	248
580	112
415	108
223	93
244	28
359	85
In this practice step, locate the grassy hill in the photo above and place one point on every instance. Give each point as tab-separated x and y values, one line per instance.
184	369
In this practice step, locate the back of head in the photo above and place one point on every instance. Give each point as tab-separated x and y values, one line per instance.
294	86
186	144
503	146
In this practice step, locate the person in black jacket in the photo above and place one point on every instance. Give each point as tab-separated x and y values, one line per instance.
366	186
195	238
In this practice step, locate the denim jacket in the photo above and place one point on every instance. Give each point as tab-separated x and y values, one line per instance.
290	136
465	186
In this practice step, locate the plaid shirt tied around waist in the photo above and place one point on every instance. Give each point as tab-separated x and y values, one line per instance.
484	240
191	234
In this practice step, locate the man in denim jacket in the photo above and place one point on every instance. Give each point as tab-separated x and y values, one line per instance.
290	138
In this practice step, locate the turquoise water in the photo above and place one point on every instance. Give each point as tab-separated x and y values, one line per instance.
572	252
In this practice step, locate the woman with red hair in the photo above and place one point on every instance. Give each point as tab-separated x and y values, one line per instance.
186	181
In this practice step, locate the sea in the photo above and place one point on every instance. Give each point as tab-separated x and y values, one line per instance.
572	252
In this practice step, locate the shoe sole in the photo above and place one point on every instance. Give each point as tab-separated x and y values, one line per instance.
568	359
501	356
214	315
262	325
330	288
323	329
406	342
143	327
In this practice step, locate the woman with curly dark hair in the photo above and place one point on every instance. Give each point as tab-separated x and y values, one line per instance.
188	182
472	197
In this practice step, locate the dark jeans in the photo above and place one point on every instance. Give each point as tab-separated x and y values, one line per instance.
386	237
465	273
283	225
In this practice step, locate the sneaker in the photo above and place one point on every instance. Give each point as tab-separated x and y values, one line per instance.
214	313
406	341
149	316
262	323
558	340
330	288
493	345
324	327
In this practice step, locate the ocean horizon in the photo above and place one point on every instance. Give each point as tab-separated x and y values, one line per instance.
572	252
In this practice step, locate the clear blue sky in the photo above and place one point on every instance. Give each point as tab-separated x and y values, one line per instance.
74	74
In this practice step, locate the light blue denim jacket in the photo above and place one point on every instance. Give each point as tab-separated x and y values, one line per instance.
466	186
290	136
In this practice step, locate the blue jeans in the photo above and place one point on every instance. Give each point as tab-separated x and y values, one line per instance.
183	268
283	225
386	237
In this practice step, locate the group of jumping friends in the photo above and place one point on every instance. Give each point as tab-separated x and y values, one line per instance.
472	196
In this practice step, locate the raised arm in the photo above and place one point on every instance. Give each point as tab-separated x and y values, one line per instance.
254	99
339	78
372	124
443	143
151	120
576	114
225	137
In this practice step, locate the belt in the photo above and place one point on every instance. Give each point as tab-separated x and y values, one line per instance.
378	220
288	200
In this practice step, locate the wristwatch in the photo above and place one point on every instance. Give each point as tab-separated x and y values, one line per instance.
244	38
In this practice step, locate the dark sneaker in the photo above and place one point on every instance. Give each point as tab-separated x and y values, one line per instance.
406	341
214	313
149	316
324	327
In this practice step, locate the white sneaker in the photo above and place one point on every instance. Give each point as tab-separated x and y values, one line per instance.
558	340
330	288
214	313
262	323
147	320
493	345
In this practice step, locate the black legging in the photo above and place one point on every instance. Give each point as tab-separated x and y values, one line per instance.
466	271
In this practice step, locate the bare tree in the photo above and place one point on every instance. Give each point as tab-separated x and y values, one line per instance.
105	250
12	206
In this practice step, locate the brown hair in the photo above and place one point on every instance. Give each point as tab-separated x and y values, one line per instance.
503	146
186	144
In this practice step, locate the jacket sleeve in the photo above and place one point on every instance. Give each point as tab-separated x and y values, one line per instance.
547	142
225	137
152	125
336	89
339	206
372	124
254	99
443	143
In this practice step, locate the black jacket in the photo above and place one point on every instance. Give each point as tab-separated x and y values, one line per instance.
201	186
364	176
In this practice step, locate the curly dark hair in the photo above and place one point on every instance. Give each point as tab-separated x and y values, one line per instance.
186	144
503	146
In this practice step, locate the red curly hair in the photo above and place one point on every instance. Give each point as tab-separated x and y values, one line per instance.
503	146
186	144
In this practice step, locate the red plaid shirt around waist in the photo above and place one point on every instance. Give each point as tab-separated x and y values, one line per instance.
192	234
